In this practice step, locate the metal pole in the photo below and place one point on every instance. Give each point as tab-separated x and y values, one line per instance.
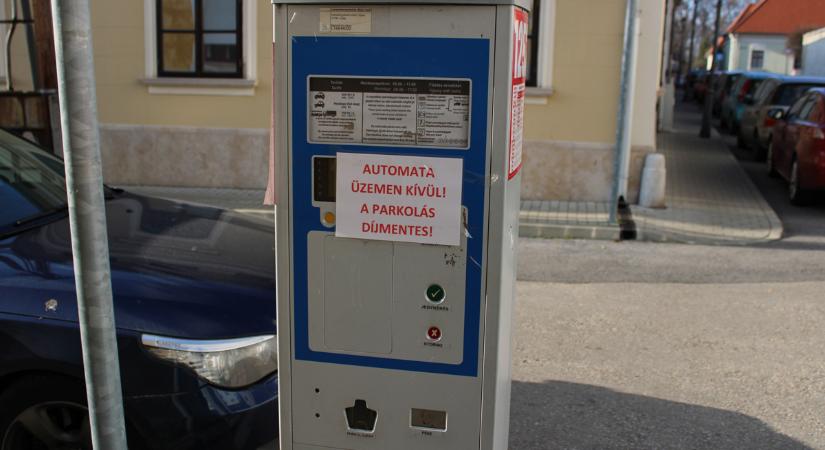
87	217
621	161
706	114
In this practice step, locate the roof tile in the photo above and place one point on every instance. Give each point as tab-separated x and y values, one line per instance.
780	17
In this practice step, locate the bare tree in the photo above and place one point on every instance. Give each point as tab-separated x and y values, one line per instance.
707	9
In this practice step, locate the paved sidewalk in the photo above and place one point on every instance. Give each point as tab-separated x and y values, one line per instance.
710	198
566	220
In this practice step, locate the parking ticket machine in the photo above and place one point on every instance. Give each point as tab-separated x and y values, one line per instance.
399	135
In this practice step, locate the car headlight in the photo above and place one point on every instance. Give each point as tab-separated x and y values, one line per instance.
231	363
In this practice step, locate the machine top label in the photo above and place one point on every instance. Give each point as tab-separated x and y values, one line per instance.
399	112
345	20
399	198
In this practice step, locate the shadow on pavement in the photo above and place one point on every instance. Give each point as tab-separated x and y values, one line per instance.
562	415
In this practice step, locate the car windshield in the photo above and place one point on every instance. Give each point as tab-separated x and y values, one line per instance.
31	182
754	86
789	93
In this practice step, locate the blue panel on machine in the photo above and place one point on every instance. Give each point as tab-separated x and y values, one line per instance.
323	58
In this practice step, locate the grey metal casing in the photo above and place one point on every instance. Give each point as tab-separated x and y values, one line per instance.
478	407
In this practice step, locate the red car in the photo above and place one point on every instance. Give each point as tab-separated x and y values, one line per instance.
797	149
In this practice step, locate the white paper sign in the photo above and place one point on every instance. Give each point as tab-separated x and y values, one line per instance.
398	198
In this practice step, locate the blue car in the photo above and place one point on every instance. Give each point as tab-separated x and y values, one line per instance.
194	297
740	96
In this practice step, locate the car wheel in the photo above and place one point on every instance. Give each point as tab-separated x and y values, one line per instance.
795	191
759	149
44	413
740	141
769	160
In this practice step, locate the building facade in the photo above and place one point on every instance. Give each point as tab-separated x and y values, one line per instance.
813	53
766	36
184	93
758	52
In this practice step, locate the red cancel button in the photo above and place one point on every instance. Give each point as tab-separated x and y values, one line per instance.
434	334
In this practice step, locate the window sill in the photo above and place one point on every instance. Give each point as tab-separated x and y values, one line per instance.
540	92
200	86
538	96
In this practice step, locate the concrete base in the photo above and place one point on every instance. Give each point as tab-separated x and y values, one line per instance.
238	159
576	171
184	156
666	105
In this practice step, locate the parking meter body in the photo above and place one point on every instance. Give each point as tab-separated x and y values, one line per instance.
398	133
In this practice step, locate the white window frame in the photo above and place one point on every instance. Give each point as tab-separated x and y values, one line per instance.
546	42
751	50
201	86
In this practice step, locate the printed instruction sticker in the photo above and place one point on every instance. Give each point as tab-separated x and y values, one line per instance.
517	99
399	198
346	20
400	112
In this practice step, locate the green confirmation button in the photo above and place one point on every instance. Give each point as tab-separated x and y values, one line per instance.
435	293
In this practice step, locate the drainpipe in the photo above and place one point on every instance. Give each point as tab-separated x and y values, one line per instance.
87	221
621	161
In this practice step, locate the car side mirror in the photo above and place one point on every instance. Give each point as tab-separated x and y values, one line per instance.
777	114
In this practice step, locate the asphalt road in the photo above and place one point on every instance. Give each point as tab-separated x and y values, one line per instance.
667	346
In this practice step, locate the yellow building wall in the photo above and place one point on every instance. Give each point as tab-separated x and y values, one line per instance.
586	66
587	72
570	135
568	140
119	53
118	34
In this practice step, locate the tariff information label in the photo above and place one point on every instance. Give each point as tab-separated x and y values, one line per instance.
399	198
399	112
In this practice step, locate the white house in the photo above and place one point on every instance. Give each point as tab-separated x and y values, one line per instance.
760	39
813	53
